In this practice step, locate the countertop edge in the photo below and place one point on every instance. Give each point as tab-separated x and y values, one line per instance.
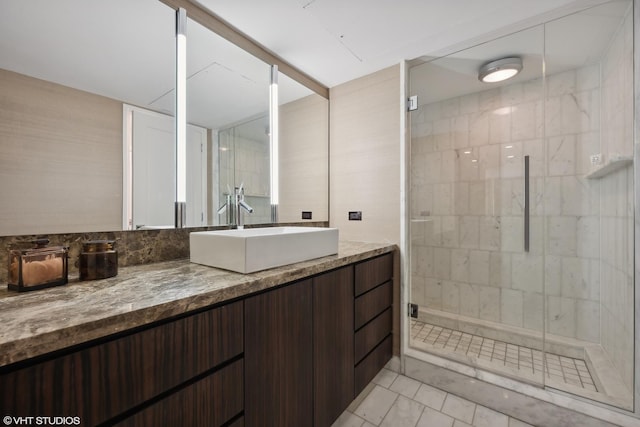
41	343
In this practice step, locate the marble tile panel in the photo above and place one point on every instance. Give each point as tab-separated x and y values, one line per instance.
405	386
442	263
469	300
449	231
459	408
430	396
562	235
460	265
404	413
561	83
479	129
477	198
485	417
469	232
489	162
489	300
385	378
580	196
511	307
450	297
442	199
461	198
460	128
490	232
432	418
527	272
533	314
500	269
500	125
479	267
562	154
433	293
376	405
561	316
512	233
588	321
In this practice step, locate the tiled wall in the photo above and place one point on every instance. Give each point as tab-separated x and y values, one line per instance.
617	294
468	201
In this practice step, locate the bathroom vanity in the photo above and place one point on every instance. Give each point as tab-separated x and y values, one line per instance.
177	343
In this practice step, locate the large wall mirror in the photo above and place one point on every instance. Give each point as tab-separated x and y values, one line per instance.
87	127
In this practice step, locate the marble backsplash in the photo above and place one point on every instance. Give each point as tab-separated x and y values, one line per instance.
134	247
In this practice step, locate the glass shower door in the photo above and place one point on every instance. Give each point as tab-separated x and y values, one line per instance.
589	204
477	280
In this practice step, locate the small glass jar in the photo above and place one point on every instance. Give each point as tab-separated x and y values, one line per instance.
98	260
37	267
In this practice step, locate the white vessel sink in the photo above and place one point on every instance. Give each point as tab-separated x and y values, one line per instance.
255	249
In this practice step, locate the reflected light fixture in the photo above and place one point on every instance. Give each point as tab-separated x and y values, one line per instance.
499	70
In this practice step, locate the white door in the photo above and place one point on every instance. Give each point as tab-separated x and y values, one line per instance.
150	171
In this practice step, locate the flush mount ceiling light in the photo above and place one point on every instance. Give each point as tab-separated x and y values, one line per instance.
499	70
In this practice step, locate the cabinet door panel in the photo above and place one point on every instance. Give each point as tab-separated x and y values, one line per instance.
212	401
105	380
278	357
373	272
373	303
332	344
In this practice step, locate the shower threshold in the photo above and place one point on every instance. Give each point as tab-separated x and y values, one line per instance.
570	369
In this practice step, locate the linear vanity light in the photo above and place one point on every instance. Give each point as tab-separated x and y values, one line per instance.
273	141
181	118
499	70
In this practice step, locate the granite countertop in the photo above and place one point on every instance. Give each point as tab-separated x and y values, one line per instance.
38	322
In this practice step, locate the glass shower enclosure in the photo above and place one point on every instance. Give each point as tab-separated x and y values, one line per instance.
521	204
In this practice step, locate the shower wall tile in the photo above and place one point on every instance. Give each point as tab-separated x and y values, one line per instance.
469	300
450	297
562	235
561	316
489	303
562	152
479	267
533	311
576	280
500	270
433	293
442	263
460	265
469	232
588	321
511	310
527	272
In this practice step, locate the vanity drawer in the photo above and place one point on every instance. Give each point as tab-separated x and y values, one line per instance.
372	364
372	303
373	272
212	401
372	334
104	380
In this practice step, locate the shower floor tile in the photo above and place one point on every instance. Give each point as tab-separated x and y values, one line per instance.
562	369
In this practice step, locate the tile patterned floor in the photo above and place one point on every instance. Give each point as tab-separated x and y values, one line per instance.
524	359
393	400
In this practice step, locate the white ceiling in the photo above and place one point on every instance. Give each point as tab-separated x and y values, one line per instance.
124	49
336	41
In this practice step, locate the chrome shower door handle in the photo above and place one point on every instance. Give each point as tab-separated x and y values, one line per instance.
526	203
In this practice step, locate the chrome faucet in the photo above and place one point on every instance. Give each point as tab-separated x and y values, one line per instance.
233	206
241	204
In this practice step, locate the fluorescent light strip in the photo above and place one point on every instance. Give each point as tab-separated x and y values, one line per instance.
273	140
181	105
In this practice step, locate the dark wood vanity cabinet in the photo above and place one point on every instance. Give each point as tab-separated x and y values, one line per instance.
312	346
373	318
107	380
294	355
278	357
332	345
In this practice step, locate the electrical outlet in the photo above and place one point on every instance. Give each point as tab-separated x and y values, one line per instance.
355	216
596	159
306	215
